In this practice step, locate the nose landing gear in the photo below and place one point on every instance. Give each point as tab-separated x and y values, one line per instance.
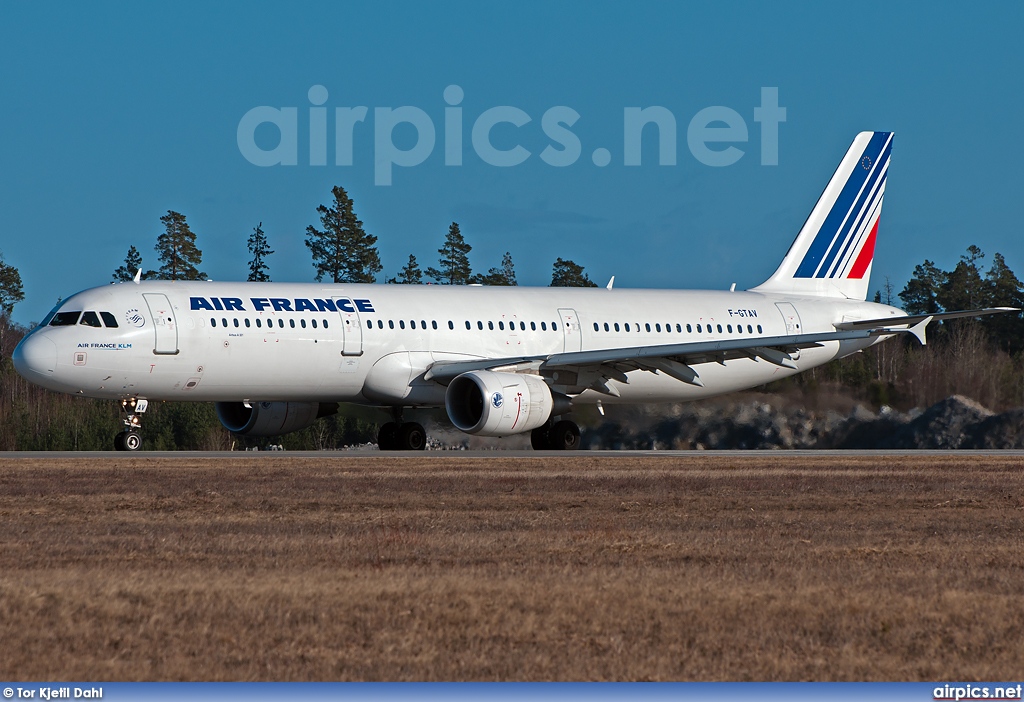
130	439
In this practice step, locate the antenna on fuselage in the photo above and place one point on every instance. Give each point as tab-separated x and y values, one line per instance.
138	276
611	283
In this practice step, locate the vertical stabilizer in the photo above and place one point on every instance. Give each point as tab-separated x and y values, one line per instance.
832	254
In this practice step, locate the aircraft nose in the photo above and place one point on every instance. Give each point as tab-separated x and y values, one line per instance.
36	354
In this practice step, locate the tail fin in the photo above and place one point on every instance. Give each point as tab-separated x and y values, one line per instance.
832	254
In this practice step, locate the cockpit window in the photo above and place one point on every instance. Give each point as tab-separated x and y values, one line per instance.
90	319
109	320
64	319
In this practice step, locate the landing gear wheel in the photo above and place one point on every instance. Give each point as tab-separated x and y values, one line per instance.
564	436
540	438
132	441
387	437
412	437
119	441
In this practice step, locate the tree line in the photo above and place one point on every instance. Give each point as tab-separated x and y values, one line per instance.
342	252
981	359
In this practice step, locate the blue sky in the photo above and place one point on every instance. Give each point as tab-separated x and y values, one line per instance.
114	113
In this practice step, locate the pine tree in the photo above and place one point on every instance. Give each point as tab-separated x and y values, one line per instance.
176	250
1004	289
920	295
963	288
342	250
454	262
506	275
409	275
132	264
11	291
258	247
567	274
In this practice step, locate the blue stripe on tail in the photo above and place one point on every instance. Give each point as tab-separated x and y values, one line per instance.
842	207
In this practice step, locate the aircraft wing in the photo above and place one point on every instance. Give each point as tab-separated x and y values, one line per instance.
677	360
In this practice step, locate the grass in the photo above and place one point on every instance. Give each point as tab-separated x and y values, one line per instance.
576	568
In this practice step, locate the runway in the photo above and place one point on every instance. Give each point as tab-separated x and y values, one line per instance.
499	454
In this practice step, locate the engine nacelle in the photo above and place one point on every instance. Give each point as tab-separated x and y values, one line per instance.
499	404
271	418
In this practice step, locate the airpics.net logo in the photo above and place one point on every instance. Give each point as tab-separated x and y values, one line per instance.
714	135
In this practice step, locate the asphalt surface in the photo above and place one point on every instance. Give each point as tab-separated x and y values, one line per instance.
447	455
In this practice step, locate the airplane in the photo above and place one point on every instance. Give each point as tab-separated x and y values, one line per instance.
275	357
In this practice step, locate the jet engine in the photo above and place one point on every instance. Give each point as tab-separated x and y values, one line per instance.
499	404
271	418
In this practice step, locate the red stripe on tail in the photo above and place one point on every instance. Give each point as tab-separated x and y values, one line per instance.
867	253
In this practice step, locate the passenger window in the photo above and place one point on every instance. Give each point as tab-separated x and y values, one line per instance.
235	320
490	325
451	325
313	322
689	329
109	320
554	326
657	327
291	323
213	321
533	326
719	328
596	328
247	324
380	323
647	327
258	322
543	326
698	329
369	324
501	326
616	327
401	324
759	329
522	326
627	327
391	324
729	327
423	324
325	324
750	329
468	325
280	324
302	323
433	324
679	328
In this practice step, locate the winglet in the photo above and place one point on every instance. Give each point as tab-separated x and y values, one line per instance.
918	330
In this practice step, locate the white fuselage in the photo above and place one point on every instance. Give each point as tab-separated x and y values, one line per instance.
371	344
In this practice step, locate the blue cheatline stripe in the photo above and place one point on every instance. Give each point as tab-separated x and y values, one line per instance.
850	227
839	210
853	237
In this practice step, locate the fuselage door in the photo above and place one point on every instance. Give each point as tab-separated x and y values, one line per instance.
571	330
351	327
791	316
162	314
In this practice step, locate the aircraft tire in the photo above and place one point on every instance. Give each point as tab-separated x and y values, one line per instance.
119	441
564	436
132	441
412	437
387	437
540	438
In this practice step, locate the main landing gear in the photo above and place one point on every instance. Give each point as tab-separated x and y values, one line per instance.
130	439
401	436
556	436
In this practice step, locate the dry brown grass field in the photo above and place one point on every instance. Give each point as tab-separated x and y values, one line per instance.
441	567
